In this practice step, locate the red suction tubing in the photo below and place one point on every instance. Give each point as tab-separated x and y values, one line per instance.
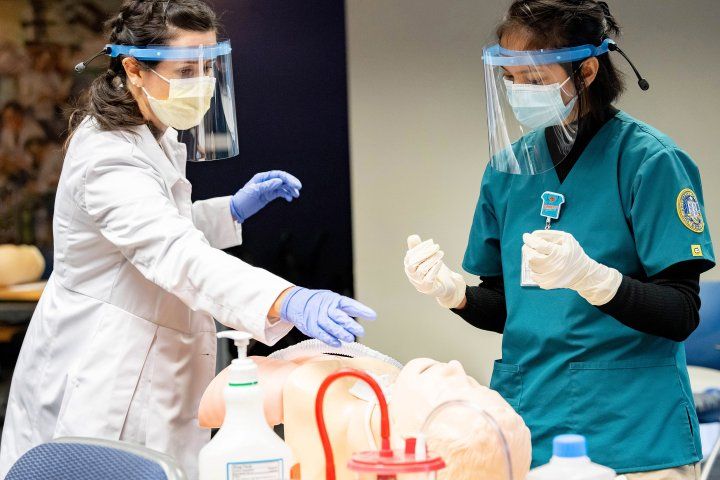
385	450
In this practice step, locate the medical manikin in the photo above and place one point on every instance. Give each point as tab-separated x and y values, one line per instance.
20	264
462	436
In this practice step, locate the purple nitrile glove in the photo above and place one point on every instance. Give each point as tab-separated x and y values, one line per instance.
325	315
262	189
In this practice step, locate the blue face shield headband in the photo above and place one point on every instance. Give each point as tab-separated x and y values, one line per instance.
163	53
502	57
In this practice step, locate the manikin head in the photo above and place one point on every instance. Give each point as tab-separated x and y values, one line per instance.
462	436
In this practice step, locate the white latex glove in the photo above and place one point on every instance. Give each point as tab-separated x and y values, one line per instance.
557	260
429	274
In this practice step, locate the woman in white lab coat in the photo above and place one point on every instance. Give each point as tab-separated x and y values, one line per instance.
122	343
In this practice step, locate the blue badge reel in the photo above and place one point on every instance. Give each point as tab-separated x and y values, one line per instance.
551	206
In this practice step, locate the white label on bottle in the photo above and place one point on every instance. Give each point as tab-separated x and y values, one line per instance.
265	470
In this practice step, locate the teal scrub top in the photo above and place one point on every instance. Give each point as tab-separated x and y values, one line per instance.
634	202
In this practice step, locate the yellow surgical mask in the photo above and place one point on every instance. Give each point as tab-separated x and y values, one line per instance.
187	103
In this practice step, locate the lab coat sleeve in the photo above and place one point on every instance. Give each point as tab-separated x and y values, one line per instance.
667	211
482	256
213	218
128	201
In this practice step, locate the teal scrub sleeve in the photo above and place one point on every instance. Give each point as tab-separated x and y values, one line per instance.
667	213
482	256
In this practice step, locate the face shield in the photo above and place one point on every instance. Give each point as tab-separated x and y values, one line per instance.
533	102
193	93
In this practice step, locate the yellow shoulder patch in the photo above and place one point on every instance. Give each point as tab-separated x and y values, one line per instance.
688	209
696	250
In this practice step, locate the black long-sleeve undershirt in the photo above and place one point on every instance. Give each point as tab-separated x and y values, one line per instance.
666	305
485	307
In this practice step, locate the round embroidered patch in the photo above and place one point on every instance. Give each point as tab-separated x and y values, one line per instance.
688	209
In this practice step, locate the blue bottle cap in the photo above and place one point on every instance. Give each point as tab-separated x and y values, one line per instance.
569	446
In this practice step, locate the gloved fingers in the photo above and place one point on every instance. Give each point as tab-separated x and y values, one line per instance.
356	309
292	191
350	325
269	186
432	274
285	177
567	246
536	261
530	254
422	252
552	236
422	246
538	244
288	179
543	281
261	177
429	264
287	193
335	330
413	241
325	337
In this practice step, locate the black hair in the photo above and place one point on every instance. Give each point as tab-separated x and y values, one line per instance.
570	23
142	23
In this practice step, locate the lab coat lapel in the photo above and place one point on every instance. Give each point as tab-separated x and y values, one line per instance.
169	156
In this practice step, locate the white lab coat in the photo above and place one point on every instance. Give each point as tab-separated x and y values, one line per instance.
122	343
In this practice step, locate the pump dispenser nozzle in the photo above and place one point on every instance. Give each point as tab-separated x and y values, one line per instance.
242	340
243	371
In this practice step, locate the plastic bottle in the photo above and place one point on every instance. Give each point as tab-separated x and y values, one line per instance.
570	462
245	447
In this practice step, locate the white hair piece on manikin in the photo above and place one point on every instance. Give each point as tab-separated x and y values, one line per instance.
316	347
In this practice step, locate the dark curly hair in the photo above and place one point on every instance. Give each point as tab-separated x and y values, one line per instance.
139	22
569	23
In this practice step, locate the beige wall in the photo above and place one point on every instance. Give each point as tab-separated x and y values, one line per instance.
418	140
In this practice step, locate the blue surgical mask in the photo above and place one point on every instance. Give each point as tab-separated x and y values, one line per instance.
538	106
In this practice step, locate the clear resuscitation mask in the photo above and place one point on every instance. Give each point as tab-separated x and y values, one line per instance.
466	404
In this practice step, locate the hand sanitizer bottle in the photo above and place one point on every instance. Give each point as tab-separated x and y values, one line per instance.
245	447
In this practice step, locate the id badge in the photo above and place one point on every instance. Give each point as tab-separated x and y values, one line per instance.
525	277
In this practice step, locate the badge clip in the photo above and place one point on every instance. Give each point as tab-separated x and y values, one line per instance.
551	204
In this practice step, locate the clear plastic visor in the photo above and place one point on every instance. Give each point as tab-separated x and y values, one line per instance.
532	106
191	90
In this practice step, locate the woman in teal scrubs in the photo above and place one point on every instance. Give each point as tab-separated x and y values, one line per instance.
589	238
